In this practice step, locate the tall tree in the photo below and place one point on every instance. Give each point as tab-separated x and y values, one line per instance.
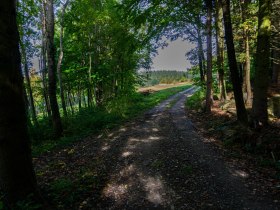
28	84
220	50
247	64
59	62
43	60
262	64
275	43
238	95
56	120
17	177
209	5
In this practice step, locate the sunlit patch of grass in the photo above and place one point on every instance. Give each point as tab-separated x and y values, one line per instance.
194	101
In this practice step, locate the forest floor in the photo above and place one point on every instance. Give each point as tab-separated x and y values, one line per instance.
158	161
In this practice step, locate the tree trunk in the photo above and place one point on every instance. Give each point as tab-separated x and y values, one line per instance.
61	89
247	65
239	102
200	52
276	68
89	81
262	65
31	99
17	177
209	100
57	125
220	50
44	61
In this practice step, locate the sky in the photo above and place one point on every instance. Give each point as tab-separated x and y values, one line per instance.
173	56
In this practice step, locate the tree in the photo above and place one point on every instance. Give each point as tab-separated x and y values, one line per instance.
61	89
220	50
261	82
247	64
209	5
56	120
17	177
238	95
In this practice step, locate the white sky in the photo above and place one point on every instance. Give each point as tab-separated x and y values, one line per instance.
173	56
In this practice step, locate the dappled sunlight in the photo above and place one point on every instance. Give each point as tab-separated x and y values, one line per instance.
155	129
115	191
118	191
239	173
154	189
105	147
126	154
209	140
122	129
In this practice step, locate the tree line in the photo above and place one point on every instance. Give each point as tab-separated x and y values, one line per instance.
151	78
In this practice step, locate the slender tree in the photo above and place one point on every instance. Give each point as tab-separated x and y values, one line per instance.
61	89
262	64
220	50
247	64
238	95
28	84
209	6
56	120
17	177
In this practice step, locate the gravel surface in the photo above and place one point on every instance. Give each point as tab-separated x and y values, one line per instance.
157	161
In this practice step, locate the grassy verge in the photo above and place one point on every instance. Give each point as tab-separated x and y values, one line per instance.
96	120
194	101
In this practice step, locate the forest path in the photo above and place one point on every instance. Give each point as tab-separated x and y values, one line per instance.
157	161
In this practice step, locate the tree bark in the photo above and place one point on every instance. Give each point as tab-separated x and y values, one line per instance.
247	64
61	89
44	61
238	95
261	82
56	120
209	100
220	50
200	52
17	177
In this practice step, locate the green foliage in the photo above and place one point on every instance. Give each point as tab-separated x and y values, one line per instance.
194	101
163	77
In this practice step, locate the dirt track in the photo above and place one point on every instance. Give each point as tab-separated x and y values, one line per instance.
158	161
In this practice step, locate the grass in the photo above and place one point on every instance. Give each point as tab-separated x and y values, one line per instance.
194	101
95	120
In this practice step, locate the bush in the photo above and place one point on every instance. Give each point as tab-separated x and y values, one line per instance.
195	101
